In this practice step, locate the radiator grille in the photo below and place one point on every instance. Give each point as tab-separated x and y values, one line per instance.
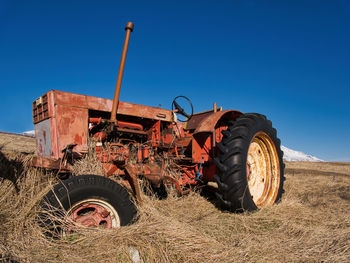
40	109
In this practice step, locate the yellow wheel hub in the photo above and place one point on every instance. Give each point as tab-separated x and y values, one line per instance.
263	170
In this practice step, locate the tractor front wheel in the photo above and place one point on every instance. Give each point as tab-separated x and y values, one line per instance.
87	200
250	165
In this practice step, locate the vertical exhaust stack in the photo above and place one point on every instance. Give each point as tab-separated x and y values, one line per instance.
128	28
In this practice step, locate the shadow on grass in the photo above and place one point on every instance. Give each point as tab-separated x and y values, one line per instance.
7	259
10	169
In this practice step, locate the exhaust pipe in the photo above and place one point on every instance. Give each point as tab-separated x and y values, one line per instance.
128	28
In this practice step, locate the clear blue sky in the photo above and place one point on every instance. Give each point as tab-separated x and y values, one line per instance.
289	60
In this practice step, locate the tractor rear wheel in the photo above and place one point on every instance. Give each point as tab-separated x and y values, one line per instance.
250	166
88	200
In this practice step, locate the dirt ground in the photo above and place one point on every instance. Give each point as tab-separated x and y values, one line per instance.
310	224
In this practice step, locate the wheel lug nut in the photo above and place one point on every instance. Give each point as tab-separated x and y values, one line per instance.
105	213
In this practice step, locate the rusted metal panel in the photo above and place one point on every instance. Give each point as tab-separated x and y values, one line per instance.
201	148
71	128
50	164
69	99
208	124
54	143
196	119
184	141
43	138
101	104
126	108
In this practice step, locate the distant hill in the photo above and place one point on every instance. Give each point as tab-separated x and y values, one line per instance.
29	133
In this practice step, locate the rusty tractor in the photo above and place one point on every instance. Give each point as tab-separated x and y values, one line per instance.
236	155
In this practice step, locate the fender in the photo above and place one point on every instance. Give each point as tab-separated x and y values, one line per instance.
209	122
204	125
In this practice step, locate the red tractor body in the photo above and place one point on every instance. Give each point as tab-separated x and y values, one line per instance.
64	122
239	153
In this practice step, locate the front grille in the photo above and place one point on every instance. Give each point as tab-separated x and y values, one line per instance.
40	109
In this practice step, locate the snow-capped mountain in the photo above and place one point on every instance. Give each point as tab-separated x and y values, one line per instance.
295	156
289	154
29	133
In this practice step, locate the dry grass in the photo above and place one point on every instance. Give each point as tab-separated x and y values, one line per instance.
330	168
311	224
16	143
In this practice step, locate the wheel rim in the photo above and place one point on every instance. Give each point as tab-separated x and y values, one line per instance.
93	213
263	170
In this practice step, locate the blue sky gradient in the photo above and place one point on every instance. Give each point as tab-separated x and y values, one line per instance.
289	60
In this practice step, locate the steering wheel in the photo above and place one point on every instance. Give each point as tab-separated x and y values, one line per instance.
180	110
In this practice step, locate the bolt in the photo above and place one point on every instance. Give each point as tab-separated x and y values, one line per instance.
105	213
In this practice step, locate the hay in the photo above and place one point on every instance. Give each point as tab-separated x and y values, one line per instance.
311	224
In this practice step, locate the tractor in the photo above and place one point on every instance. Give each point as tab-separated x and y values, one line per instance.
236	155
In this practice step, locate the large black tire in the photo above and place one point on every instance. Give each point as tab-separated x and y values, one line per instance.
250	165
87	189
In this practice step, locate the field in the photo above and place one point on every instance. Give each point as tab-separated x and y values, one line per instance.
311	224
